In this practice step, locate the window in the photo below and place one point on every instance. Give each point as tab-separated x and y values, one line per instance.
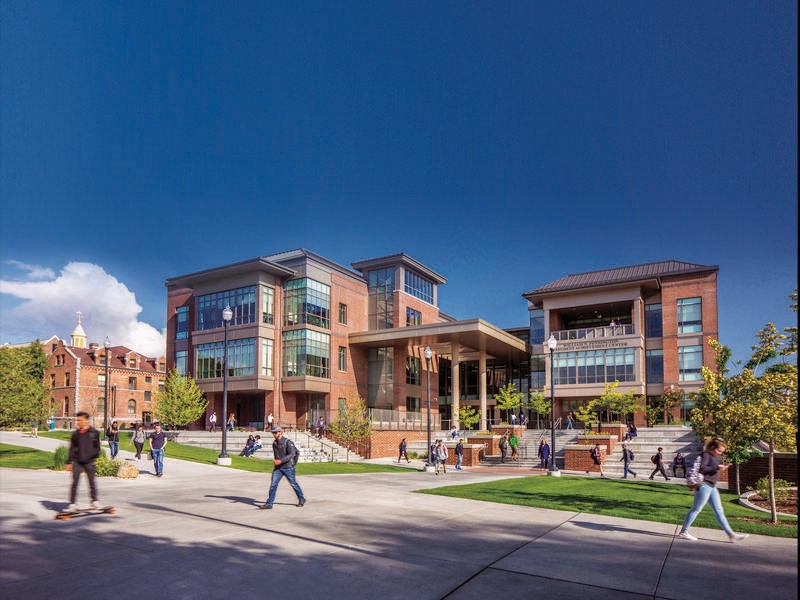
413	317
412	404
131	383
594	366
418	286
654	366
690	363
538	370
380	377
131	407
66	379
306	352
266	357
148	396
690	315
148	379
342	358
132	362
52	380
413	370
242	302
537	326
306	301
241	358
182	362
342	314
268	305
653	327
381	298
182	323
66	406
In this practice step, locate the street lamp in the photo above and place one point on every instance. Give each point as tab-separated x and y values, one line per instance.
428	354
552	343
223	458
107	346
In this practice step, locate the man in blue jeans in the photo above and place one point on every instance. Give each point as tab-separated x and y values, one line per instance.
284	454
158	441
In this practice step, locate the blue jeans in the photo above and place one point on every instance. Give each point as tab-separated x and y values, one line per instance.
114	447
459	460
279	474
158	459
703	494
628	470
569	424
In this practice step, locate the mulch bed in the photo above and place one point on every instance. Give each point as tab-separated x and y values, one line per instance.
788	506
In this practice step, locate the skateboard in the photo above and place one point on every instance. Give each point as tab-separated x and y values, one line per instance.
66	515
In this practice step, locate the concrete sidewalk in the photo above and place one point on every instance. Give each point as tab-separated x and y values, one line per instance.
196	533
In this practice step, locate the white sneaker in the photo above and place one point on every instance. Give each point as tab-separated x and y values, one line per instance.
71	508
94	504
685	535
737	537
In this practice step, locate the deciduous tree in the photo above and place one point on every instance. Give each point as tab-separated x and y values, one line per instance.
23	393
509	398
180	402
352	424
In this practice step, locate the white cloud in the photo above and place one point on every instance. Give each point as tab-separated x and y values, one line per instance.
48	308
34	271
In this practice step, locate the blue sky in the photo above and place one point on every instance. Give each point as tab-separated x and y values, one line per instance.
502	144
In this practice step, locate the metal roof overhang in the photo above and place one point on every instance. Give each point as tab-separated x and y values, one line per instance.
472	337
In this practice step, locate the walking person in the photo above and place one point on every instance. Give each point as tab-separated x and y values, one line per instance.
441	457
285	458
658	460
710	466
503	448
320	427
544	454
459	454
158	443
513	443
403	452
597	457
270	421
627	459
137	439
34	423
231	422
570	420
212	422
84	448
112	435
513	419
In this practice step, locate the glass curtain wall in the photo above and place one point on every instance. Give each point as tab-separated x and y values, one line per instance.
306	302
306	352
380	377
241	358
381	298
242	301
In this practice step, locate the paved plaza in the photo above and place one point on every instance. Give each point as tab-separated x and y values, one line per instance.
196	533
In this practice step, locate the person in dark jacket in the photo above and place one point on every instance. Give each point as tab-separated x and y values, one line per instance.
627	459
710	467
112	435
403	452
84	448
679	462
284	452
544	454
459	454
659	462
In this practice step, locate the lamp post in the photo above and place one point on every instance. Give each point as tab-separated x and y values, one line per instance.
223	458
552	343
107	346
428	354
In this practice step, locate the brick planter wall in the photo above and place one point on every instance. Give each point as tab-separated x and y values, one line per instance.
491	443
578	457
385	444
758	467
472	454
609	441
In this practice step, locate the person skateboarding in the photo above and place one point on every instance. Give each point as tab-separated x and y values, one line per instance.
84	448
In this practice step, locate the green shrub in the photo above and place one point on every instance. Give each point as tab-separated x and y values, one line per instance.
412	455
781	488
107	467
60	458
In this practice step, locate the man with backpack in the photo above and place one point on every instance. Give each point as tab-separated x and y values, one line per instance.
658	460
285	456
627	459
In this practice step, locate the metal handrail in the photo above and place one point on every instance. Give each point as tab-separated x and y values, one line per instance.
594	332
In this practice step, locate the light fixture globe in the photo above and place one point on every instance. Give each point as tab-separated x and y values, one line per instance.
227	314
552	343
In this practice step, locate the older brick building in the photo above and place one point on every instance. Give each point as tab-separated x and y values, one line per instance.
76	375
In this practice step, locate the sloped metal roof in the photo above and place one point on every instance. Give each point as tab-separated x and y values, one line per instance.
621	275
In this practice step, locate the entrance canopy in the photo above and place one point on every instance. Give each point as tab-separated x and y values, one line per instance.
472	337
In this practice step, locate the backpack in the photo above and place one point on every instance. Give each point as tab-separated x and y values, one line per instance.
290	446
630	455
694	477
654	459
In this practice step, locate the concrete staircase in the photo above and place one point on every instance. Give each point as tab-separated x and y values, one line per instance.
672	439
311	449
529	448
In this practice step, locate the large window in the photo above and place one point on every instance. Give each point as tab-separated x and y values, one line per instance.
653	327
342	314
342	358
306	352
413	404
381	298
690	315
241	359
538	372
242	302
413	317
306	302
267	305
266	356
182	323
418	286
413	370
537	326
131	407
380	377
654	367
595	366
690	363
182	362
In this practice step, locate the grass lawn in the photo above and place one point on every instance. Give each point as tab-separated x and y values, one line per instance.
19	457
256	465
648	501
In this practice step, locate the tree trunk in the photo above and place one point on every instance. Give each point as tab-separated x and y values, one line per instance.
772	508
738	480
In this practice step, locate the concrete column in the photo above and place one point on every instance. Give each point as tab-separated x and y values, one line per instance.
456	385
482	387
637	317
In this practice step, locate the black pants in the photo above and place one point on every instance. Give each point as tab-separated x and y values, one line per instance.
676	469
659	469
139	446
78	468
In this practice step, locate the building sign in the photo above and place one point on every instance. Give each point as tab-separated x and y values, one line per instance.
605	344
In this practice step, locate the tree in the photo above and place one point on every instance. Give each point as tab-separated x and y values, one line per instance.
538	403
508	398
23	393
586	414
669	401
469	416
180	402
353	424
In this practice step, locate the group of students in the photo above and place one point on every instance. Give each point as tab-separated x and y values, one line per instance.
252	445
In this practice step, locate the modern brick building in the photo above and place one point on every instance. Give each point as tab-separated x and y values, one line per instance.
645	326
76	375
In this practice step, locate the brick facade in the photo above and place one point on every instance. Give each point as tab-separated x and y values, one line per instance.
579	458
